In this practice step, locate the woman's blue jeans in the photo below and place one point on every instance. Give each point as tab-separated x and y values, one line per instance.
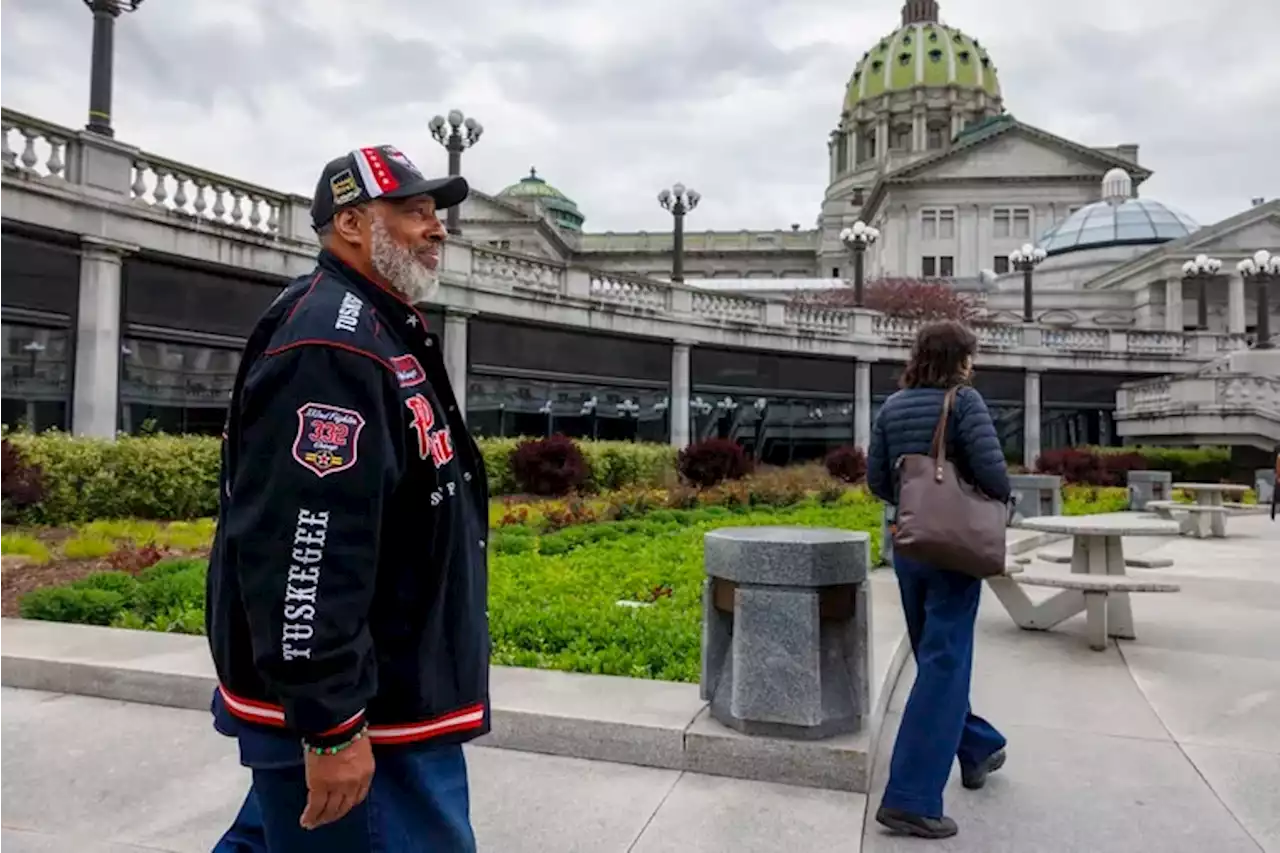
937	724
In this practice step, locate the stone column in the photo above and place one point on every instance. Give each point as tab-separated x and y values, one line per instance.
1173	305
680	393
1031	420
919	134
862	404
1235	304
455	355
95	403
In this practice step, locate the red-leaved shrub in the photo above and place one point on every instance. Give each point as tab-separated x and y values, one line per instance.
1087	466
847	463
706	463
21	482
551	466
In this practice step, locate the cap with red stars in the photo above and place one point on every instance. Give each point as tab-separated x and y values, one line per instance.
380	171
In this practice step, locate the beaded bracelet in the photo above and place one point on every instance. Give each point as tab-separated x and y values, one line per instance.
334	750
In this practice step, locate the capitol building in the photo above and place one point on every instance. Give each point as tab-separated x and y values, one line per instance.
130	282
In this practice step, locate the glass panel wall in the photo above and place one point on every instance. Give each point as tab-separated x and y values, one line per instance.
520	406
536	381
36	377
172	387
1079	409
774	428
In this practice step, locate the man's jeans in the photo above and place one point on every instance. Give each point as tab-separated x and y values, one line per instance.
418	802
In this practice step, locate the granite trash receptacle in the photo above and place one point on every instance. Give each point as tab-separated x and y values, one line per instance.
1147	486
1036	495
785	649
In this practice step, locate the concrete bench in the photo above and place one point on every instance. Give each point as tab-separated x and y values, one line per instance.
1132	562
1199	520
1247	509
1096	588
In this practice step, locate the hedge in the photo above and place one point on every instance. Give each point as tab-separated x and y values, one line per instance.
1108	466
176	477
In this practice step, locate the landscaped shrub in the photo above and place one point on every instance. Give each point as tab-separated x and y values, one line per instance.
21	481
712	461
621	464
847	463
72	604
549	466
21	544
1107	466
159	477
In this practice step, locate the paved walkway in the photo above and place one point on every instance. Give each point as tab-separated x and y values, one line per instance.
1169	743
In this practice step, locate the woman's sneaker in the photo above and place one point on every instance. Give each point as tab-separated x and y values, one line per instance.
917	825
975	777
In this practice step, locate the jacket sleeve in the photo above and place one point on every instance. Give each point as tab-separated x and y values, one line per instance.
981	445
316	458
879	465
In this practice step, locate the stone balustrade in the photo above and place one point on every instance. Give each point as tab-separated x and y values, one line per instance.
178	202
205	196
36	147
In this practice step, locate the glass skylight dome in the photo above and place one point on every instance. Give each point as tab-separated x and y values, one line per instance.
1117	220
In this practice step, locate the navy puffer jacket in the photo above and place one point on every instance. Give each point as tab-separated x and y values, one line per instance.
905	425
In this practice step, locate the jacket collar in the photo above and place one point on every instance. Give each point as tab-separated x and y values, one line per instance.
385	300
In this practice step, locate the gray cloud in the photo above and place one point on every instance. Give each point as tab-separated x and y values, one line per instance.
612	101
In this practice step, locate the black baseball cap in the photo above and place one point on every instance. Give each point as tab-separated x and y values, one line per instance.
378	172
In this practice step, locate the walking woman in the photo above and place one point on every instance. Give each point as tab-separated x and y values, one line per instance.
938	726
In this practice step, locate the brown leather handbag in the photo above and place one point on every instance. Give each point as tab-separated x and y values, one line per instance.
943	521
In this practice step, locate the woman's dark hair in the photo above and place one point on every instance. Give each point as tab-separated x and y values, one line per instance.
938	356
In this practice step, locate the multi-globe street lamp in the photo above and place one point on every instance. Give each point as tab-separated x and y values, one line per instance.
456	134
679	200
1200	272
856	239
1025	260
1262	269
105	13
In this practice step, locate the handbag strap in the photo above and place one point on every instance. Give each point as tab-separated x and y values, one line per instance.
938	448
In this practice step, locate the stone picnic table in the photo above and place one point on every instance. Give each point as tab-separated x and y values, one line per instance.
1210	513
1097	585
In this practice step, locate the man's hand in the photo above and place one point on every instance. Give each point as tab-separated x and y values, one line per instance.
337	783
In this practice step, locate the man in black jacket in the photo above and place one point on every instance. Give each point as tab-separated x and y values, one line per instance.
348	581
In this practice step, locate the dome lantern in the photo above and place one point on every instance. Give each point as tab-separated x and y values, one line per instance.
919	12
1117	187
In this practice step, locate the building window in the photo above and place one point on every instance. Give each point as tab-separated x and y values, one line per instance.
842	152
1001	264
929	266
1012	222
525	406
172	387
835	272
936	137
36	377
946	266
901	138
937	224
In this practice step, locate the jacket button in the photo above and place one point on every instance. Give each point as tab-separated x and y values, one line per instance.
428	341
481	543
467	476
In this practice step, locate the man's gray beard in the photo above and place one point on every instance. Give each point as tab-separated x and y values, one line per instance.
407	275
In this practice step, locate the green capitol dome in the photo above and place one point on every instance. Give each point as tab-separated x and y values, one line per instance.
562	209
922	52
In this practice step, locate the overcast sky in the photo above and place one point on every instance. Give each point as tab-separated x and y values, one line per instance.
614	99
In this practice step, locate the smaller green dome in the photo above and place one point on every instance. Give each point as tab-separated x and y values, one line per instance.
922	53
564	211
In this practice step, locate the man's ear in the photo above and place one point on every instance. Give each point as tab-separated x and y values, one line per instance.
348	226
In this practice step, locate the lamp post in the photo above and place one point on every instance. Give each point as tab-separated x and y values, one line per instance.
679	200
1199	271
1261	269
105	13
856	240
1025	260
456	134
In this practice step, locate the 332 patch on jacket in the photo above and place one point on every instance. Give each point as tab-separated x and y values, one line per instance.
328	439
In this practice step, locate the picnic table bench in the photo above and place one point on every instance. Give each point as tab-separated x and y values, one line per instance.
1207	517
1097	584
